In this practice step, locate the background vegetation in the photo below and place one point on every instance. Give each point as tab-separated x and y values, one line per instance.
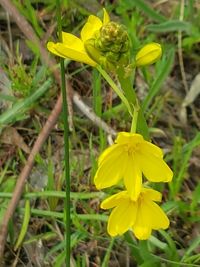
28	92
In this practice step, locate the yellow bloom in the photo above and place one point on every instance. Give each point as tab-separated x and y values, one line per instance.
72	47
128	158
149	54
141	216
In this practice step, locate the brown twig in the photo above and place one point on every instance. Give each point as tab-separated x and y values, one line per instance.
91	115
30	34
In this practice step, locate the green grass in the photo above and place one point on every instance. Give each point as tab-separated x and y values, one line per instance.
40	216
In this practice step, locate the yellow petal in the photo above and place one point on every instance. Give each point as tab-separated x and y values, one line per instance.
110	171
152	194
114	200
132	178
106	17
92	25
64	51
150	148
159	219
114	149
142	227
142	233
72	41
128	138
122	218
51	47
154	168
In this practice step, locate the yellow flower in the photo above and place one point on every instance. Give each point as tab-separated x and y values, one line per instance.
141	216
72	47
128	158
149	54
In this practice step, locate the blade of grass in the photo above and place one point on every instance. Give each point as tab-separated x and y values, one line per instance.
195	244
107	255
22	105
171	250
150	12
25	224
59	194
149	259
170	26
60	259
8	98
162	75
60	215
97	103
195	198
185	157
134	249
67	217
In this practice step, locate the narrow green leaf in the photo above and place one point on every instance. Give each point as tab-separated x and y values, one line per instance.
59	194
162	75
150	12
170	250
148	257
186	155
22	105
105	262
195	198
59	260
8	97
157	243
195	244
134	249
170	26
60	215
24	227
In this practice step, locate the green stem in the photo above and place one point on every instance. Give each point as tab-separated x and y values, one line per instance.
127	86
66	141
115	88
139	124
135	118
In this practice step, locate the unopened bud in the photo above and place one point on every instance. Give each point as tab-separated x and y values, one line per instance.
97	55
110	46
113	37
149	54
94	53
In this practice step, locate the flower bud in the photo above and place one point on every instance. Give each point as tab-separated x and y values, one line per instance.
94	53
110	46
97	55
148	54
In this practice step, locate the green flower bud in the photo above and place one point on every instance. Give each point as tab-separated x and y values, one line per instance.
110	46
149	54
113	42
113	37
97	55
94	53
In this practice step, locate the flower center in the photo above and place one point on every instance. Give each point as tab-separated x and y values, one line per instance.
132	149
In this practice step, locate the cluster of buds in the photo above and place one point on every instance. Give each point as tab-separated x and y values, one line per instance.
105	43
110	46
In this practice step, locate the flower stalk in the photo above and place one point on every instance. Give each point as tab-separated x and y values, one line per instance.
115	88
66	142
135	117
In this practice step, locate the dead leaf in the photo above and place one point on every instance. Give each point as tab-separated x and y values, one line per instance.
192	94
5	88
11	136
